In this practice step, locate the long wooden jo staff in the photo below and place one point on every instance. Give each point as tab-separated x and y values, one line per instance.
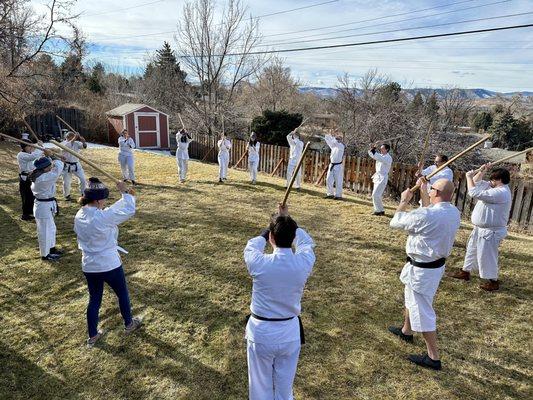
30	129
294	174
507	158
462	153
425	149
22	141
67	124
182	124
85	160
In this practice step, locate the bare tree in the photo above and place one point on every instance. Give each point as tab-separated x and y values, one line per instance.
217	55
455	107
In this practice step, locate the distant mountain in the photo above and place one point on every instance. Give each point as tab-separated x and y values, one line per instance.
474	94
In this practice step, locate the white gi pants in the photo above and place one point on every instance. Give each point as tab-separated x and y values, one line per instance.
67	177
335	176
482	251
223	162
421	285
46	228
380	183
127	164
271	370
253	165
183	166
290	170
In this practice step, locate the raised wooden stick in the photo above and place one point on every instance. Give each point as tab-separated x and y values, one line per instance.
182	124
279	164
294	174
462	153
85	160
425	148
321	177
67	124
390	139
240	159
22	141
207	154
507	158
30	129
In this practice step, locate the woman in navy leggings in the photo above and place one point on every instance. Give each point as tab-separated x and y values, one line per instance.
97	231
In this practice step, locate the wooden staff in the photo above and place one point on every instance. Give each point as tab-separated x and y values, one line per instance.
240	159
424	150
279	164
22	141
30	129
207	154
85	160
462	153
391	139
321	177
294	174
299	126
506	158
66	123
182	124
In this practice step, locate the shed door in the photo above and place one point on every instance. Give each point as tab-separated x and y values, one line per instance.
147	129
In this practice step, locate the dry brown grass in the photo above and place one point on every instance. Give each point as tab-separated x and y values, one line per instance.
187	277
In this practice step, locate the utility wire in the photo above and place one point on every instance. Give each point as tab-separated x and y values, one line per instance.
122	9
295	9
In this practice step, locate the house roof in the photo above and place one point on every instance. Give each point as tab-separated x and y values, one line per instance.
128	108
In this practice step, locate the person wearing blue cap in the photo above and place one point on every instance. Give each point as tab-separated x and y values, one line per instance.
96	227
25	159
44	178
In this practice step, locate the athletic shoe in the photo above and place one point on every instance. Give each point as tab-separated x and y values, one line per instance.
337	198
68	198
379	213
220	180
27	217
398	332
425	361
51	258
135	324
328	196
91	342
490	285
133	183
56	251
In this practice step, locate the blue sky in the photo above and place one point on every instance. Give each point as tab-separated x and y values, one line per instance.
500	61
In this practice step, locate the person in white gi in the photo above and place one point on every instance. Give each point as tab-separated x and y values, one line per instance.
296	149
490	218
224	146
125	156
96	227
183	139
445	173
274	332
381	176
44	178
253	156
432	229
72	163
335	174
25	159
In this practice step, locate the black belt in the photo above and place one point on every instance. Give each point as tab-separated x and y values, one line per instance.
433	264
69	165
302	334
332	165
50	199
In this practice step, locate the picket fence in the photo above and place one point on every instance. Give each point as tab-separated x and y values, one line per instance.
357	175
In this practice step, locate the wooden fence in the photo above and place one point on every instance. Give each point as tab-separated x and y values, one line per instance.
48	124
357	175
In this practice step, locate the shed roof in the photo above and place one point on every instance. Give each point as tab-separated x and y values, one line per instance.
128	108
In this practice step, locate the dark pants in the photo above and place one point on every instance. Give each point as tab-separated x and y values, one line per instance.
27	196
95	281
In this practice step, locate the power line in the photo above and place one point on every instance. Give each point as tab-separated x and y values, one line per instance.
372	19
122	9
404	29
398	21
295	9
333	46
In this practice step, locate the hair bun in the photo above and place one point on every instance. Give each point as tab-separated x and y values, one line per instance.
94	180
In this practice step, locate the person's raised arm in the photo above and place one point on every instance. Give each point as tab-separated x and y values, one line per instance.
121	210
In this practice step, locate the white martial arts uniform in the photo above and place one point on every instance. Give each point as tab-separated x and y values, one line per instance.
253	160
273	347
224	146
25	161
125	157
72	166
446	173
336	167
431	235
296	149
490	218
44	188
380	178
182	155
97	232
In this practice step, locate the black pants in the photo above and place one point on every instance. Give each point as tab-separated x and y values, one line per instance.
27	196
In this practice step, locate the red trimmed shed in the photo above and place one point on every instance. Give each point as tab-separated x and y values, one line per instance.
147	126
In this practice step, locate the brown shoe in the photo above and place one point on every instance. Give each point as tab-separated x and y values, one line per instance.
490	285
459	274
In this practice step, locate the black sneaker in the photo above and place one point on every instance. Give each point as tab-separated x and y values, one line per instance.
379	213
398	332
337	198
425	361
51	258
56	251
27	217
328	196
68	198
133	183
220	180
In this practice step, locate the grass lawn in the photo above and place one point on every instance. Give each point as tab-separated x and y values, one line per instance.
187	277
